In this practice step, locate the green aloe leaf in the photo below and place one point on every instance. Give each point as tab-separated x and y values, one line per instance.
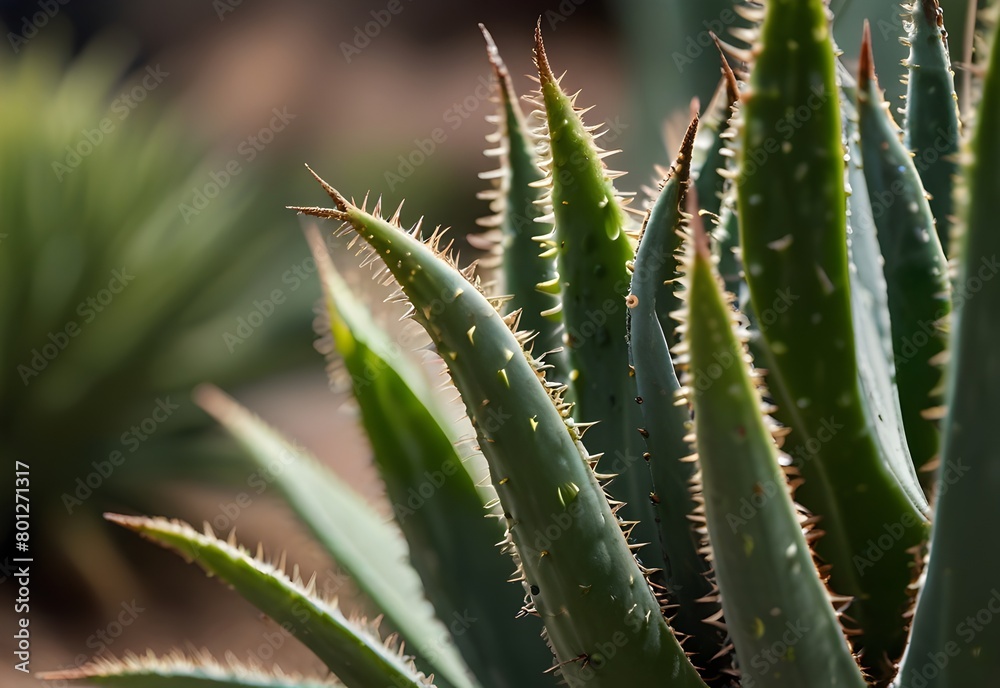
916	272
772	594
592	252
954	642
726	243
686	575
353	652
710	158
870	311
370	550
178	671
601	617
530	275
794	249
452	543
932	128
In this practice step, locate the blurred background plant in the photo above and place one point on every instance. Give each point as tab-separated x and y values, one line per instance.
120	289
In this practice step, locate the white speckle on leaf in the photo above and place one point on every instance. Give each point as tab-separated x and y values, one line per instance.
824	280
781	244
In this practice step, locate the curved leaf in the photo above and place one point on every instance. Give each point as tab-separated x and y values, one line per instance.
356	536
356	655
452	543
600	615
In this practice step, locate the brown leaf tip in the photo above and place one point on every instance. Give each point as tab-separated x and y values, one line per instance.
130	522
541	59
682	167
339	213
933	13
341	202
732	84
866	63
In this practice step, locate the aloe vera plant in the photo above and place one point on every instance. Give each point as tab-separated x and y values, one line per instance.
773	530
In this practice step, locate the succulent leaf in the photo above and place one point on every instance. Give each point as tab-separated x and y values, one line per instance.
794	248
579	573
593	250
686	575
529	270
178	671
358	538
932	127
710	154
451	540
916	271
355	654
771	590
870	311
960	590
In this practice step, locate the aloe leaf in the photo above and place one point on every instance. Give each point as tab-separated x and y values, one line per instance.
953	642
592	252
916	272
932	130
452	543
870	312
370	550
726	242
795	257
772	594
686	575
354	653
178	671
601	617
710	154
530	275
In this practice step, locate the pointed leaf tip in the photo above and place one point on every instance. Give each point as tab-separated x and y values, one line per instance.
130	522
687	145
932	10
541	59
866	63
732	85
491	50
341	202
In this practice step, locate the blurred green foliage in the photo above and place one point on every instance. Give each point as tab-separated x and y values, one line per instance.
121	288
